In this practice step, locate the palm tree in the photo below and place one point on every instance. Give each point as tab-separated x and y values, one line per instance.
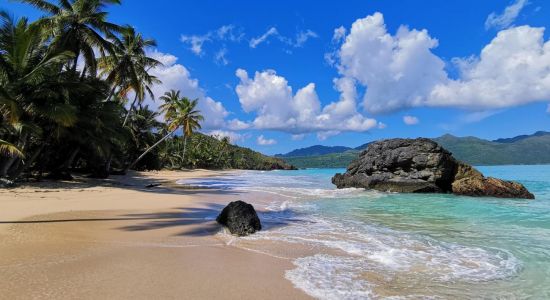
178	112
32	87
190	121
128	67
10	149
224	143
78	26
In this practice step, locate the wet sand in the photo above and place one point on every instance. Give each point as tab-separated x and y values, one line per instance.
118	239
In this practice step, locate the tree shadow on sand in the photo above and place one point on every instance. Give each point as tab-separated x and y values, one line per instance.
200	221
203	220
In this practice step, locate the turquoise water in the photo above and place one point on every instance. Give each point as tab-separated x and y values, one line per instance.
381	245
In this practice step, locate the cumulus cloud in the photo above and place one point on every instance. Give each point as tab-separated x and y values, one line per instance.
507	17
262	141
176	76
237	124
410	120
400	71
234	137
277	107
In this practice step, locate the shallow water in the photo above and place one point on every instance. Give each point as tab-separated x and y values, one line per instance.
366	244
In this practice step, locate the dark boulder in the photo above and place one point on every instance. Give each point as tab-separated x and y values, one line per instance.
240	218
421	166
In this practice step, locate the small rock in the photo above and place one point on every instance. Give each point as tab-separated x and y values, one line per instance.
240	218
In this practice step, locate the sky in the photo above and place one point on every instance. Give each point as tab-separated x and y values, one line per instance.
279	75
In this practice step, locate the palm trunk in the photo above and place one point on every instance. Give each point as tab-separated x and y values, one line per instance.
67	164
83	75
130	110
148	150
184	147
28	163
9	163
111	93
75	62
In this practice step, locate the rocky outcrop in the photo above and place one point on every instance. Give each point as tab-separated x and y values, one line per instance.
240	218
421	166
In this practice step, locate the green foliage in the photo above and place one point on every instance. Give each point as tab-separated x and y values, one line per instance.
529	150
214	153
56	117
333	160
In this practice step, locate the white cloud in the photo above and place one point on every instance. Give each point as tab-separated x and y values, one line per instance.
236	124
507	17
234	137
298	137
224	33
195	42
301	38
254	42
382	125
400	71
270	97
176	76
410	120
262	141
220	57
512	70
339	34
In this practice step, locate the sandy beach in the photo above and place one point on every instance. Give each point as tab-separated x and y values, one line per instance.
117	239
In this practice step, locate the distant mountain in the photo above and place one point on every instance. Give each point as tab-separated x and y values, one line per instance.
521	137
362	147
314	151
519	150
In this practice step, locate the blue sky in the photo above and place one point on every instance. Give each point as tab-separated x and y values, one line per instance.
266	73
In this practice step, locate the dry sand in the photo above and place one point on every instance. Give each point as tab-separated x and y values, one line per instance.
117	239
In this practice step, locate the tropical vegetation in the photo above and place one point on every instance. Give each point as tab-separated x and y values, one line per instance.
73	87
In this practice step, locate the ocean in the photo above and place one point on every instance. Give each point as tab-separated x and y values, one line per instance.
358	244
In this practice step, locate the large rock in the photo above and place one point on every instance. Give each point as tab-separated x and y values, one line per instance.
240	218
421	166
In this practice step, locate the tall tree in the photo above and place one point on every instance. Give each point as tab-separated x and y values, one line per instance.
32	88
173	106
79	26
178	113
128	67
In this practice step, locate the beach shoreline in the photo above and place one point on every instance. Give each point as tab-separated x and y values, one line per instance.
92	239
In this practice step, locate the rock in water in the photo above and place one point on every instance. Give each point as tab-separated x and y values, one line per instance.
421	166
240	218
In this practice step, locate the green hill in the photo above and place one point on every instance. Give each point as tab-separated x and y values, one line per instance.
521	150
314	150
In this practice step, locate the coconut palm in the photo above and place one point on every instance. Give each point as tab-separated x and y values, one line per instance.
178	113
190	121
79	26
128	67
32	88
10	149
